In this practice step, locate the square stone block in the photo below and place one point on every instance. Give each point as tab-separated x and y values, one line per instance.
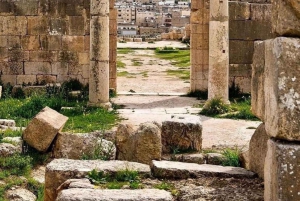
282	88
43	128
239	10
282	171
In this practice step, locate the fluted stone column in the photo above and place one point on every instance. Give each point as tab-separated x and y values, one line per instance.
99	54
218	50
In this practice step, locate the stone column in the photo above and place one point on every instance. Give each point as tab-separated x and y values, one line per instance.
0	91
218	75
199	23
99	54
113	14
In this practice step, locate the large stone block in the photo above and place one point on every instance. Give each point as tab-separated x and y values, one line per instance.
286	17
181	134
257	80
241	51
282	88
83	145
43	128
258	150
142	145
282	171
60	170
239	10
261	12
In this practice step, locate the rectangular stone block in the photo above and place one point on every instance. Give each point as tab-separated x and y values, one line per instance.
46	56
76	26
12	79
73	43
57	26
6	8
30	42
240	70
261	12
239	10
286	17
51	42
28	7
196	17
241	52
38	25
46	79
281	171
59	68
257	81
195	5
43	128
34	68
13	42
25	79
3	41
282	88
84	58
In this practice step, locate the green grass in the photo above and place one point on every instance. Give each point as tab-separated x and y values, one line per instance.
123	73
231	157
125	51
136	62
179	59
182	74
120	64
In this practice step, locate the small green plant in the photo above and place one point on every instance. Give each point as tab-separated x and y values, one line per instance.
164	186
200	95
214	107
125	51
120	64
182	74
100	152
231	157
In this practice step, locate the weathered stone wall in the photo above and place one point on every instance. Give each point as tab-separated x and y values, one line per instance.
45	40
248	21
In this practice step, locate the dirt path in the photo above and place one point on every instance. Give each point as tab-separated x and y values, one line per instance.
144	73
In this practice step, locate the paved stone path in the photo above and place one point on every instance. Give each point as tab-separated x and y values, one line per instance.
217	133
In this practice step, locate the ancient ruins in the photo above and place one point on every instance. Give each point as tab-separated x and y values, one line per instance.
253	44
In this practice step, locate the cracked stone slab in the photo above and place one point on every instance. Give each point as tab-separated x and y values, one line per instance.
114	195
60	170
179	170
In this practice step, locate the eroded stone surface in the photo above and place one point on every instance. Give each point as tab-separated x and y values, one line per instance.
282	88
60	170
8	122
181	133
179	170
114	195
281	171
20	194
43	128
79	145
258	150
7	149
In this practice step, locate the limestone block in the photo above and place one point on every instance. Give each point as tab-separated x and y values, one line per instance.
87	43
76	26
84	58
26	7
30	42
196	17
179	170
73	43
281	171
100	7
80	145
6	8
258	150
243	82
215	158
240	70
142	145
257	80
282	88
60	170
43	56
46	78
3	41
57	26
190	158
51	42
181	134
12	79
262	12
7	149
34	68
38	25
239	10
114	195
8	122
21	79
20	194
43	128
241	52
286	17
195	5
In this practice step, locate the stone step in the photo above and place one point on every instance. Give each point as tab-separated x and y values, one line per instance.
180	170
80	194
60	170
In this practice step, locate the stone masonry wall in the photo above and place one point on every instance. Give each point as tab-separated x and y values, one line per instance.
44	40
248	21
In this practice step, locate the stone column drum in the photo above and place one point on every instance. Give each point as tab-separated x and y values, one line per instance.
99	54
218	50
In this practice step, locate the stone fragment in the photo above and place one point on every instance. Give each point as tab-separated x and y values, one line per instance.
244	160
181	134
257	80
190	158
83	145
282	88
114	195
41	131
75	183
60	170
258	150
7	149
20	194
179	170
142	145
8	122
215	158
282	171
286	17
16	141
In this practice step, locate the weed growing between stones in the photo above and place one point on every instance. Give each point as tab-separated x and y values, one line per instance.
118	180
125	51
180	58
167	187
120	64
214	107
231	157
101	152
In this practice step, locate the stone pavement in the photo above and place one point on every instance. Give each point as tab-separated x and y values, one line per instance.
217	133
142	45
